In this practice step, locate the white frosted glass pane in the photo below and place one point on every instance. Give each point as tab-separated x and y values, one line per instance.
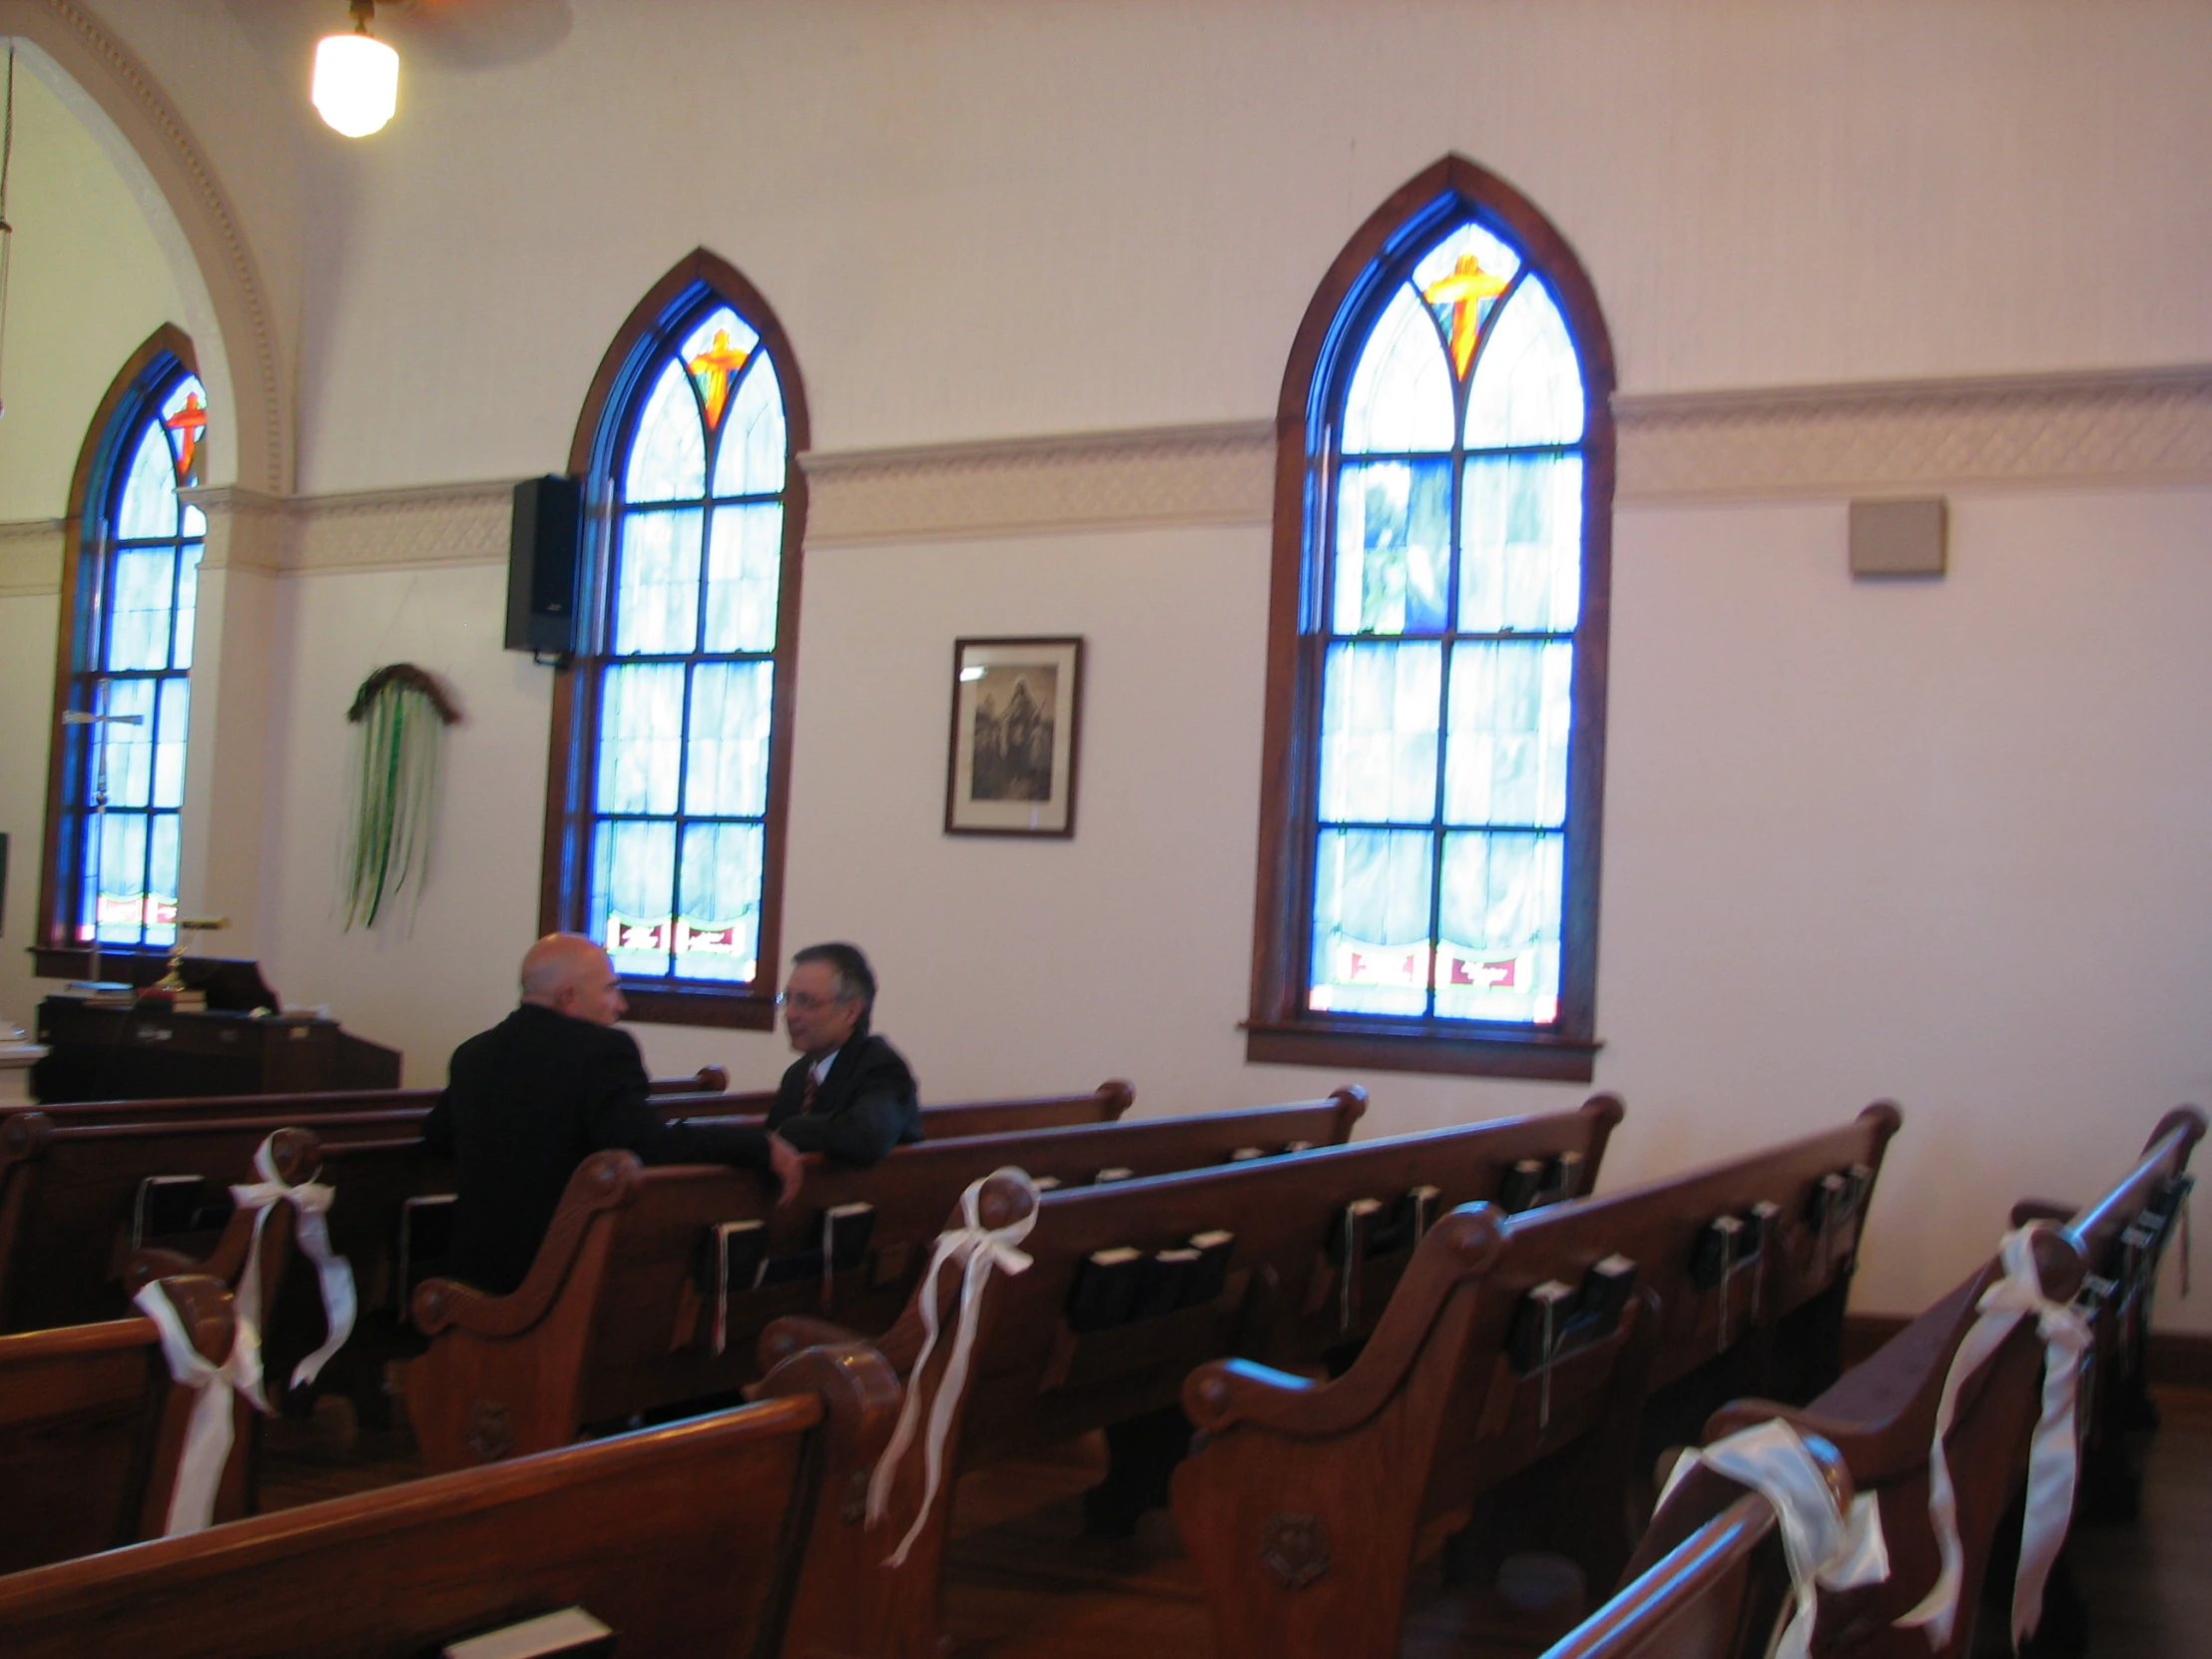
1527	385
1506	753
641	737
656	584
128	749
718	921
1371	949
169	749
196	524
726	775
188	606
744	574
1380	706
1520	544
668	457
139	623
633	879
751	460
160	886
1498	914
1401	397
148	504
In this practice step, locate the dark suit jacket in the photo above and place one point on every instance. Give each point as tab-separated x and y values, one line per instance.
524	1104
866	1106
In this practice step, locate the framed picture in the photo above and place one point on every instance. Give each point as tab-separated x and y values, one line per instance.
1015	707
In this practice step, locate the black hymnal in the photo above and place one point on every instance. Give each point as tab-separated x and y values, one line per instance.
1543	1312
1045	1182
1163	1281
1567	1177
1112	1173
1297	1146
844	1235
733	1250
1347	1235
1522	1186
1606	1289
1825	1204
425	1240
166	1204
1244	1154
1417	1210
1720	1246
1210	1273
571	1633
1105	1288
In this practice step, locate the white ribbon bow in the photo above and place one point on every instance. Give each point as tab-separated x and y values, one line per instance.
313	1200
1824	1545
2053	1454
208	1435
980	1248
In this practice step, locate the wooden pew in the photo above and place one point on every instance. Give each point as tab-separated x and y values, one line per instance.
1309	1503
619	1313
69	1181
91	1428
1037	1381
1717	1585
691	1540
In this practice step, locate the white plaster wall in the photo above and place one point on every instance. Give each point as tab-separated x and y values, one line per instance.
88	285
27	626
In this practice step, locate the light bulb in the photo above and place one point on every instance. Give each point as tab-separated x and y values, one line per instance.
357	83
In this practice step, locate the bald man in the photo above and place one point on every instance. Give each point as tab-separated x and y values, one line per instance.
538	1094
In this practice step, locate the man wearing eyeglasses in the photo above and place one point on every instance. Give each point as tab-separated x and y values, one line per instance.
848	1094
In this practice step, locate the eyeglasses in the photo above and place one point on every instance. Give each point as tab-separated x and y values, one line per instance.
806	1005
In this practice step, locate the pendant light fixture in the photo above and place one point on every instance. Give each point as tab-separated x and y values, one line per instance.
356	77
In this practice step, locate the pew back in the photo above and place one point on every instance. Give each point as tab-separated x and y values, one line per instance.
620	1312
688	1539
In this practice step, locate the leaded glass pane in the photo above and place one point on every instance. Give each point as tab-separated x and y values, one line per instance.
1528	385
744	568
725	774
751	459
1461	280
1371	922
739	335
169	750
1401	397
641	725
1505	760
161	885
718	925
1498	915
188	605
1393	547
139	623
130	749
1521	548
1469	239
633	879
184	418
667	457
122	877
149	505
1380	705
656	584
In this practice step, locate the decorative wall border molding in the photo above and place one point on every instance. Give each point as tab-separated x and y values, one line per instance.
2030	432
30	558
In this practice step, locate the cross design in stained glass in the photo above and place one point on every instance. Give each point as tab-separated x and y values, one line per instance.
713	369
187	423
1462	293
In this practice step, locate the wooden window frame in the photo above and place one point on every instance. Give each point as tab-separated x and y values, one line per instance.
53	954
564	888
1281	1029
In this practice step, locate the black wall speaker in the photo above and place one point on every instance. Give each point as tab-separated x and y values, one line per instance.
544	560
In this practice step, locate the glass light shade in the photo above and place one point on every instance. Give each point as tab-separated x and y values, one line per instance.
357	83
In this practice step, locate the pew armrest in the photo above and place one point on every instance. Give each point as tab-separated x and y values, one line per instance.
141	1267
1223	1392
796	1333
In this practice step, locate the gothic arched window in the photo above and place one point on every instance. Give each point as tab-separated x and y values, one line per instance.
1435	725
131	577
671	732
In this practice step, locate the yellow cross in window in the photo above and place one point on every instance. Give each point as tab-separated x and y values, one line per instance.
1464	291
713	369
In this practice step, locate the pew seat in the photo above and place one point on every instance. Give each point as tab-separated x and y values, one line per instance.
692	1539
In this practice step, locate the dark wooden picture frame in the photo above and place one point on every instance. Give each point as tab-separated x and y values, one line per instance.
1037	731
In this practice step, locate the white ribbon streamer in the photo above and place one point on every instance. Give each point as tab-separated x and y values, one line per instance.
979	1250
2053	1454
1825	1545
311	1199
209	1433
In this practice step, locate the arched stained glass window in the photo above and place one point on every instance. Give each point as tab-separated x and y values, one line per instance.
129	644
1429	872
671	846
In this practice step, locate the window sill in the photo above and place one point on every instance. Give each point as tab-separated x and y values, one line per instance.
118	964
658	1003
1342	1046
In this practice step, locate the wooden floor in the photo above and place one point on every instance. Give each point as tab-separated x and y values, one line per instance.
1022	1582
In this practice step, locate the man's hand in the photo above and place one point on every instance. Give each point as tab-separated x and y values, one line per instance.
784	1161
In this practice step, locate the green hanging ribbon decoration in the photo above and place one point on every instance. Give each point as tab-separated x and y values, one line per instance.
402	711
